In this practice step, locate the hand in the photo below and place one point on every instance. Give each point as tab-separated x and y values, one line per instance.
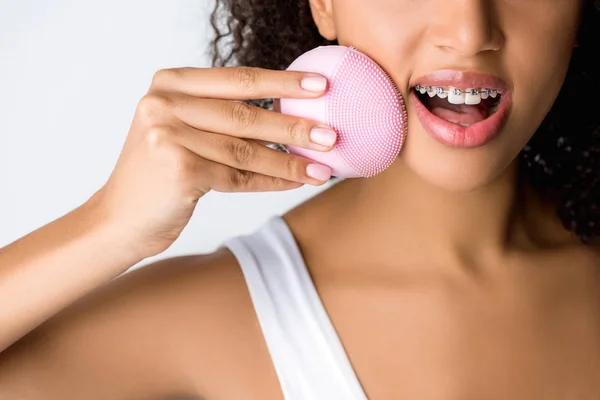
191	134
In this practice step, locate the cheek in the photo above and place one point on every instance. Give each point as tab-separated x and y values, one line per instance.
538	50
385	29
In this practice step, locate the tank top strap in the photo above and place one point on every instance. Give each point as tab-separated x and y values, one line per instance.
306	351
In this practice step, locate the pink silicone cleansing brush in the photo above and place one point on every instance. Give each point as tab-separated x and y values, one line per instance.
362	104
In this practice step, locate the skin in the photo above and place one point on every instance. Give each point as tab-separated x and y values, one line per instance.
504	303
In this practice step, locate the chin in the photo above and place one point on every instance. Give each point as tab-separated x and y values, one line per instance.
455	169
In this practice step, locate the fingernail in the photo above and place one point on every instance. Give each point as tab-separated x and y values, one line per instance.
315	84
318	172
323	136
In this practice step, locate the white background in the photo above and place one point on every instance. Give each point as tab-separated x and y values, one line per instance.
71	74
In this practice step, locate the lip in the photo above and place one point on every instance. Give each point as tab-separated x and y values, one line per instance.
454	135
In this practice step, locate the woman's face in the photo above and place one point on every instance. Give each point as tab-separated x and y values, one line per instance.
520	47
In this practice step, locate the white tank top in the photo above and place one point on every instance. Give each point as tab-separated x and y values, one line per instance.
307	354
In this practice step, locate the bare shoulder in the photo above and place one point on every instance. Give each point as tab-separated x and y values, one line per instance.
169	329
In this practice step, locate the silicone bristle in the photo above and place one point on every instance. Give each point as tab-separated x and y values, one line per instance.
368	113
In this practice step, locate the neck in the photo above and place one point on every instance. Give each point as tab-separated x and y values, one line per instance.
403	212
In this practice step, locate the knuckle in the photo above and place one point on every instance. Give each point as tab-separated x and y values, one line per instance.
278	183
296	131
242	152
239	178
293	168
164	77
154	107
244	116
159	137
245	78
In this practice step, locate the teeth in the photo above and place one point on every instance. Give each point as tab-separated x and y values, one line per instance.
471	96
456	96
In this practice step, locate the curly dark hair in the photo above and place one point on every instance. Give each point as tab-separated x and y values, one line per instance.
562	159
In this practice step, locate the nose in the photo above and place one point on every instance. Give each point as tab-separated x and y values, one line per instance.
466	27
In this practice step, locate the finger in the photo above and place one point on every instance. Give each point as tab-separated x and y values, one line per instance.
239	83
250	156
248	122
228	180
205	175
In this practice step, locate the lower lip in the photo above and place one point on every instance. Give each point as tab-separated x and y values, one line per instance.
454	135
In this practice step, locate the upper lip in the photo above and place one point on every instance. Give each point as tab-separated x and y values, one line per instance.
461	80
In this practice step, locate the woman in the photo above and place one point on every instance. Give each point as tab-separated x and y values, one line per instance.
465	271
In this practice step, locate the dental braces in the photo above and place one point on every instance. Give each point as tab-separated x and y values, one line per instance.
458	92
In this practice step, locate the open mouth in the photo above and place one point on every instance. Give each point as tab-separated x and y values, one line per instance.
463	107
